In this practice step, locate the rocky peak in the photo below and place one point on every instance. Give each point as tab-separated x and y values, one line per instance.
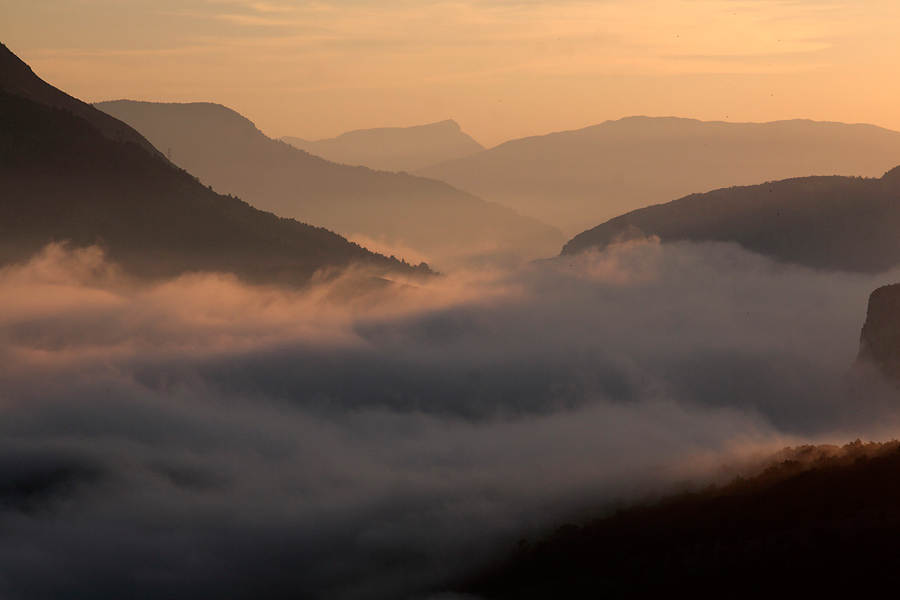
879	342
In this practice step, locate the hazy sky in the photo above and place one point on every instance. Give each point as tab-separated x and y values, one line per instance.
502	69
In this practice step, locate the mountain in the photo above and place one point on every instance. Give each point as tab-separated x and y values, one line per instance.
17	79
832	223
66	179
879	342
430	219
394	148
576	179
818	521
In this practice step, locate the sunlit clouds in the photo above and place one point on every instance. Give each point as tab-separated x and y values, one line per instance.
378	445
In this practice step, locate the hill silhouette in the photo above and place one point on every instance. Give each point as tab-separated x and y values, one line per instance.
435	221
18	79
831	223
819	520
394	148
576	179
66	180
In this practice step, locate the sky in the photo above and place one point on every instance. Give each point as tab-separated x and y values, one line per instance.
502	69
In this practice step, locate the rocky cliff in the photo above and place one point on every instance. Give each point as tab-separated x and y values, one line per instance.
879	342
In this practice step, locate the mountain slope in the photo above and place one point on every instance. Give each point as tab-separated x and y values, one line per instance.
63	180
394	148
432	220
17	79
833	223
576	179
820	521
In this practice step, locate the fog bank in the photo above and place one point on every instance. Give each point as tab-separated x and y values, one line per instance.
204	438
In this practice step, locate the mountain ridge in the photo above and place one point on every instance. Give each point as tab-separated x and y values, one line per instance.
394	148
66	180
430	218
818	520
19	79
832	223
578	178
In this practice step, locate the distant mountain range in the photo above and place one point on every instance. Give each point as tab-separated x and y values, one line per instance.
576	179
394	148
832	223
70	173
430	219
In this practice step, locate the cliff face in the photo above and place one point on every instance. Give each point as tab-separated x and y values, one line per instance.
879	342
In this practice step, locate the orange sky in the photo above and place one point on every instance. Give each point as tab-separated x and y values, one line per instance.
502	69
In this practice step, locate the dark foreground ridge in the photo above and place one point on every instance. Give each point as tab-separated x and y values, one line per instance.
64	180
831	223
821	520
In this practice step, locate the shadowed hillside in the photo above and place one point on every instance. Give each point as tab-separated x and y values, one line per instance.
17	79
820	520
394	148
432	220
834	223
576	179
63	180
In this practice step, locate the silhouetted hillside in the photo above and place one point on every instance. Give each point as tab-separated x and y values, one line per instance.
835	223
17	79
576	179
879	341
62	180
820	521
394	148
391	210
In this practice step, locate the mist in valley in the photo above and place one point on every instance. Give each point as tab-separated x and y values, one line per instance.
200	437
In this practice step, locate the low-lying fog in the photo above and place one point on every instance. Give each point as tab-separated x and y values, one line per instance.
200	438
